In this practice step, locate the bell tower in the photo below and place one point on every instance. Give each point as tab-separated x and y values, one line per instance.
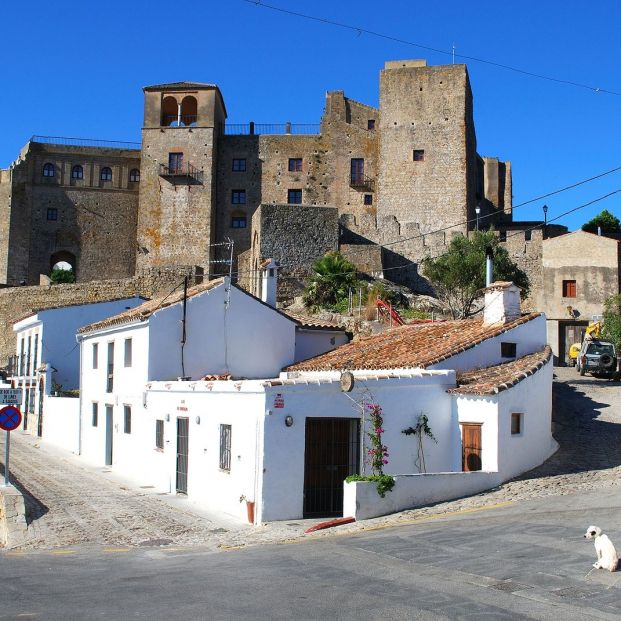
176	208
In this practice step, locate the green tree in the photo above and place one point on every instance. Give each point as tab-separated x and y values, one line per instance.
612	320
59	276
459	275
333	275
605	220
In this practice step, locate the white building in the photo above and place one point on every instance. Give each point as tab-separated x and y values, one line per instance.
47	359
284	443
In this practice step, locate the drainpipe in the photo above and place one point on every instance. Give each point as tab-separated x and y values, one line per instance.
489	266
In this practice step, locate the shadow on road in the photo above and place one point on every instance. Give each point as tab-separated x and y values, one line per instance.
34	507
586	443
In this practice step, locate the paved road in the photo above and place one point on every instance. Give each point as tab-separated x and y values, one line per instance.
73	504
524	561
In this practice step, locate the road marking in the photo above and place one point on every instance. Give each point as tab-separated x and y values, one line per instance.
115	550
61	552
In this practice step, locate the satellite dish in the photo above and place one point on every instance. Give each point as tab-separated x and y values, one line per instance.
347	381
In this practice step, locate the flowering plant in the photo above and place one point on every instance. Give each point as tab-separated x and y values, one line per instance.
378	453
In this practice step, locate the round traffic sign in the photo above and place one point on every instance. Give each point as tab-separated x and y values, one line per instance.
10	418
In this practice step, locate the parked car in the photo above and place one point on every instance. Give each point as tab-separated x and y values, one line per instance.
599	358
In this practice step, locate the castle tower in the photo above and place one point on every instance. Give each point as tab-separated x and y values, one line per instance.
427	150
176	211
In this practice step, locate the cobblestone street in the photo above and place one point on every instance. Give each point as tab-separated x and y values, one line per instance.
71	503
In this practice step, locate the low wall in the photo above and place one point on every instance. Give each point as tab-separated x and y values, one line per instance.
61	422
13	524
361	500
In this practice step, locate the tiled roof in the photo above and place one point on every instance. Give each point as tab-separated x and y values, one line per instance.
500	284
314	323
409	346
492	380
144	311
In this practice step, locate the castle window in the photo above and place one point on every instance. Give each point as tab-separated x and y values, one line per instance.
295	164
357	170
569	288
239	165
502	236
238	221
175	163
52	213
368	199
294	197
508	350
371	124
49	170
134	175
77	172
528	235
106	174
238	197
419	155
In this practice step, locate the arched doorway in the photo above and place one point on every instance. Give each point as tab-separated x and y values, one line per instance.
62	267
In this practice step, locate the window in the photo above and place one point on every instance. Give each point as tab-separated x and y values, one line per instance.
36	352
159	435
528	234
127	418
295	164
31	403
28	359
110	374
106	174
371	124
134	175
49	170
419	155
95	414
77	172
95	355
569	288
127	354
238	221
225	447
368	199
508	350
516	424
357	170
239	164
502	236
21	356
294	197
238	197
175	162
52	213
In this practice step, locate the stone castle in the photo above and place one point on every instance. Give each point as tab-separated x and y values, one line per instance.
387	186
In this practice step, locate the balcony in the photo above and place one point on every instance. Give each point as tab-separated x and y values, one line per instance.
362	182
184	174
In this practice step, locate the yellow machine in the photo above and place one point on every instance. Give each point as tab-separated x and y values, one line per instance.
592	331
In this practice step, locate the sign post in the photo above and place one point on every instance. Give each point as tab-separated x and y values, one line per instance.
10	419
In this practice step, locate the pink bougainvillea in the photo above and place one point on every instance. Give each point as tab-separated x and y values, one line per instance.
378	453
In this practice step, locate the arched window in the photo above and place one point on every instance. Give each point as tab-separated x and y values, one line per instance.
134	175
106	174
77	172
49	170
170	111
238	220
189	108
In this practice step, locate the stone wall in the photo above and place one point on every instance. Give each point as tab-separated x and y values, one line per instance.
13	525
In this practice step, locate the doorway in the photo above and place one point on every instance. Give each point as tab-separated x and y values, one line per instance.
40	421
568	334
471	451
332	453
183	445
109	430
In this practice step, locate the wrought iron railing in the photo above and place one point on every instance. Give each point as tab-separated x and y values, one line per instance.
85	142
252	129
183	174
362	182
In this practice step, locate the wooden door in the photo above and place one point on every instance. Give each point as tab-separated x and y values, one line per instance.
471	451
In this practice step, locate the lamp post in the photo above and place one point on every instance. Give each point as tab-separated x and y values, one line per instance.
477	210
545	220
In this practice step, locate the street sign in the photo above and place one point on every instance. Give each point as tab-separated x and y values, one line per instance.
10	418
10	396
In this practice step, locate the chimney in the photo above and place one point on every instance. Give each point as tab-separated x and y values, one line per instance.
269	282
489	265
502	303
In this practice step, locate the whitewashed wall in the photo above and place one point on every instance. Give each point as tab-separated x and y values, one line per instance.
311	343
361	500
475	409
402	400
61	422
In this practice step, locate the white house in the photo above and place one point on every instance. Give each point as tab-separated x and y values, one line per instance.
282	444
47	359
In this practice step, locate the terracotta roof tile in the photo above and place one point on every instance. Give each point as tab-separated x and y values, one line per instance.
144	311
492	380
315	323
409	346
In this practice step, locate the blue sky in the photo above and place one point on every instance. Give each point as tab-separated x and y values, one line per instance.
76	69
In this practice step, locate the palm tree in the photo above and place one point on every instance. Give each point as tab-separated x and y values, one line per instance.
333	275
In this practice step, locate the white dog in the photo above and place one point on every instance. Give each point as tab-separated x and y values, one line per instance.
606	554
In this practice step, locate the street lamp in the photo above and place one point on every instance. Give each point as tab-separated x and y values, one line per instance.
477	210
545	220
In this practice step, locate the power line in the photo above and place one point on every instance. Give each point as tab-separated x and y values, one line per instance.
451	53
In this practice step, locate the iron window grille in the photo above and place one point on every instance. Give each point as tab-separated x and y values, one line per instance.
159	435
127	419
239	165
225	447
95	414
49	170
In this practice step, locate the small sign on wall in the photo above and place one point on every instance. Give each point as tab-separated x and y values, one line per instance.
279	401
